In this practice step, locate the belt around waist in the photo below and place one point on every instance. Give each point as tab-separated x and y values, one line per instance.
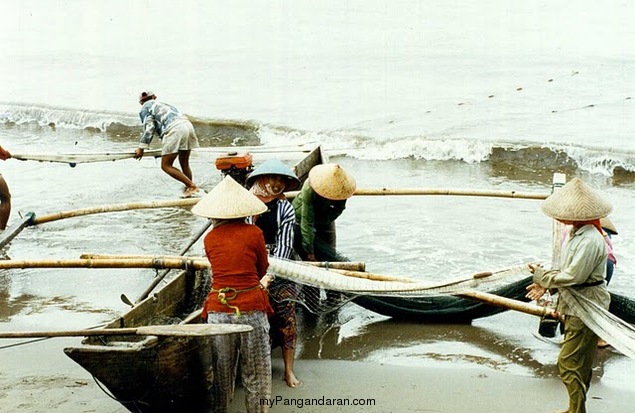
591	284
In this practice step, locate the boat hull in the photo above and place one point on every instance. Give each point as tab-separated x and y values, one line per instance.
160	376
155	374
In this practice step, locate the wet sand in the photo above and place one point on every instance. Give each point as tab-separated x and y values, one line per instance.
383	388
449	388
401	366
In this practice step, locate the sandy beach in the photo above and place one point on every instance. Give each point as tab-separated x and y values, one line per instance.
55	384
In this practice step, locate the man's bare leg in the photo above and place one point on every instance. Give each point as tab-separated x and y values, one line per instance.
184	161
167	165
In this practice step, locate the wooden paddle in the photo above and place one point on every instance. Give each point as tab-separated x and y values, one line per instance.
176	330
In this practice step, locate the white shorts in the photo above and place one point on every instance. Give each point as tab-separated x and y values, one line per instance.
180	137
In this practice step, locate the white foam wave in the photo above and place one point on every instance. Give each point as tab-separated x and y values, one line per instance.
595	160
62	117
598	160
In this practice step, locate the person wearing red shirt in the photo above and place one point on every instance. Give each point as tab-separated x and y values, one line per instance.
238	256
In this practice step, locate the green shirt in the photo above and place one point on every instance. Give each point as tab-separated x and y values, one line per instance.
583	261
313	211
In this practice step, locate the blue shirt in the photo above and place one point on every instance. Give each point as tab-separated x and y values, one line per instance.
157	117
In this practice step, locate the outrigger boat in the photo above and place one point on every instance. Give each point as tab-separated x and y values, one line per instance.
164	374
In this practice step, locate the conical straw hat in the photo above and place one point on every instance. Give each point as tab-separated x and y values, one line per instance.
576	202
331	181
228	200
608	225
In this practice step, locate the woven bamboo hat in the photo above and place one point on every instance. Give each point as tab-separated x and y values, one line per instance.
576	202
229	200
608	225
332	182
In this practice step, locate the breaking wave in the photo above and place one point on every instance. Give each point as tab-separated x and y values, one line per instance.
524	155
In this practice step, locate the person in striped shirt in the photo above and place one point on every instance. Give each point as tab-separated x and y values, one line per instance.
268	183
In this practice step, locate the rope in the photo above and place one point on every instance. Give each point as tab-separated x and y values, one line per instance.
223	298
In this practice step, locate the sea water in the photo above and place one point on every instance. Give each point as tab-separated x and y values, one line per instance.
484	95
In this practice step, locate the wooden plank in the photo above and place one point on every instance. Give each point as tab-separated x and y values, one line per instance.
315	157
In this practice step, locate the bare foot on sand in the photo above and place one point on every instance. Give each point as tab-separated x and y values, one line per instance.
292	380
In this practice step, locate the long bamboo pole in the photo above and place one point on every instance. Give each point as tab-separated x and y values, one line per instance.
487	298
511	304
161	276
115	208
106	263
439	191
158	262
345	265
179	330
359	192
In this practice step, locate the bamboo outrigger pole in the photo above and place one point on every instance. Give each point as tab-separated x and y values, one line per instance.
345	265
161	276
292	194
107	263
487	298
115	208
439	191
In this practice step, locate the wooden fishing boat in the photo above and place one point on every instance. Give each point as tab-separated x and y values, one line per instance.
155	374
161	374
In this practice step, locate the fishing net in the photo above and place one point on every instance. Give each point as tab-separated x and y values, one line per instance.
609	327
322	291
314	298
